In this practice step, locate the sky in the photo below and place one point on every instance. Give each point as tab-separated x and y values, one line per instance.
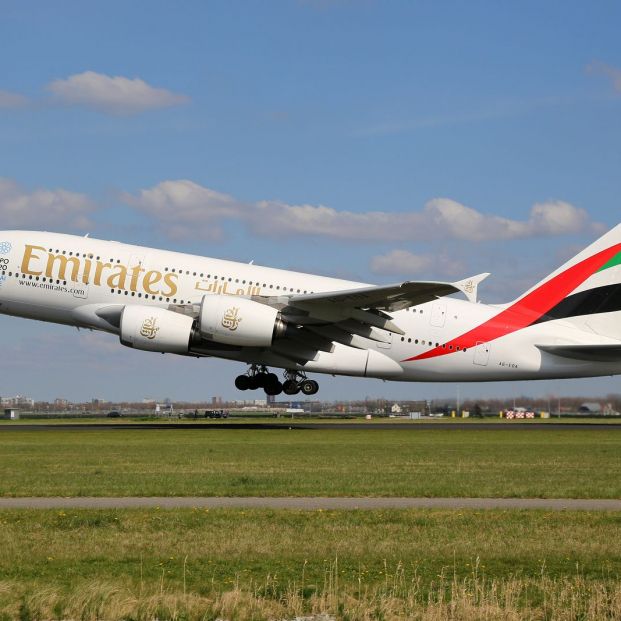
373	141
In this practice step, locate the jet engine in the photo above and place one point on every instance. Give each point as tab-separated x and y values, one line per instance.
239	321
155	329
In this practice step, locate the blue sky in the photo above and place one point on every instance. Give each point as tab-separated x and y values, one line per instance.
348	138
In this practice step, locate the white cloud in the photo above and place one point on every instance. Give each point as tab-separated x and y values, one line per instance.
12	100
545	219
560	218
608	70
400	262
114	95
184	209
57	209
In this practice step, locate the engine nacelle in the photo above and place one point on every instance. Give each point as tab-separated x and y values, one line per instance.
155	329
238	321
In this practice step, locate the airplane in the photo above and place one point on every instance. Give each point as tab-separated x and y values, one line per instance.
568	325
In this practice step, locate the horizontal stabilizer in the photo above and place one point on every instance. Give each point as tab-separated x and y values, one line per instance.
608	352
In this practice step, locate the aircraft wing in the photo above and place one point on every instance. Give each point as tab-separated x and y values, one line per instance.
607	352
390	298
352	317
317	321
385	298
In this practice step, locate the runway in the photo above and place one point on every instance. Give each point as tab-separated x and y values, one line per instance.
325	426
312	503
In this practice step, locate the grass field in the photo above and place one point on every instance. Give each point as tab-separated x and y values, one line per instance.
259	564
505	463
277	564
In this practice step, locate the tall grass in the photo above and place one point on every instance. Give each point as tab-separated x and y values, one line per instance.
148	565
401	596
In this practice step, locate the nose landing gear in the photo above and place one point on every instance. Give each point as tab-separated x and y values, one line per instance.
258	376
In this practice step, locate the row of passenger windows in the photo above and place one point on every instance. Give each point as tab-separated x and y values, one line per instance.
74	254
147	296
243	282
430	344
119	291
84	255
186	272
31	277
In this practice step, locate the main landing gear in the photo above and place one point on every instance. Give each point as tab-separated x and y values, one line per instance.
258	376
296	382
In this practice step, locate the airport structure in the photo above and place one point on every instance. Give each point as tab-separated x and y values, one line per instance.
524	407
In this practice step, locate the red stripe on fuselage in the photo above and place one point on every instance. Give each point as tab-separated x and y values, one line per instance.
527	309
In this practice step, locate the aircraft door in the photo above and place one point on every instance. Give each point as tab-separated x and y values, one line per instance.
481	354
438	314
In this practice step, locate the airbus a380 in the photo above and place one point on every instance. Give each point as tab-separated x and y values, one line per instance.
568	325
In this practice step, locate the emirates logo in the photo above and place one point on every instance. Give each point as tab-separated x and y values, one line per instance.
149	329
231	319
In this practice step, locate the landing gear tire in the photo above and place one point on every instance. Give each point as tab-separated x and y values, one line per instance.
254	382
242	382
291	387
309	387
259	376
271	379
273	389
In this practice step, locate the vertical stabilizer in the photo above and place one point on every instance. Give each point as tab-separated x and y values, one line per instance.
586	290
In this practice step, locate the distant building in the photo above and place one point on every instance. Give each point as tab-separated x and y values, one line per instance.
260	403
590	407
165	409
396	409
11	413
18	400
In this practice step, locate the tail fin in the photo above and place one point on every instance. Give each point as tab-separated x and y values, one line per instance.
585	290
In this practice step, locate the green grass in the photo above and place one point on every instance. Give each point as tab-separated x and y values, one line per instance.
445	462
265	564
102	564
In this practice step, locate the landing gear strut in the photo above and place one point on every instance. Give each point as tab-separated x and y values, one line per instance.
258	376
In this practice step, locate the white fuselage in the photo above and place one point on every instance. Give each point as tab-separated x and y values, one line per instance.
58	278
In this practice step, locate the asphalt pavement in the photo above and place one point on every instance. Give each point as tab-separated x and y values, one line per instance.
312	503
